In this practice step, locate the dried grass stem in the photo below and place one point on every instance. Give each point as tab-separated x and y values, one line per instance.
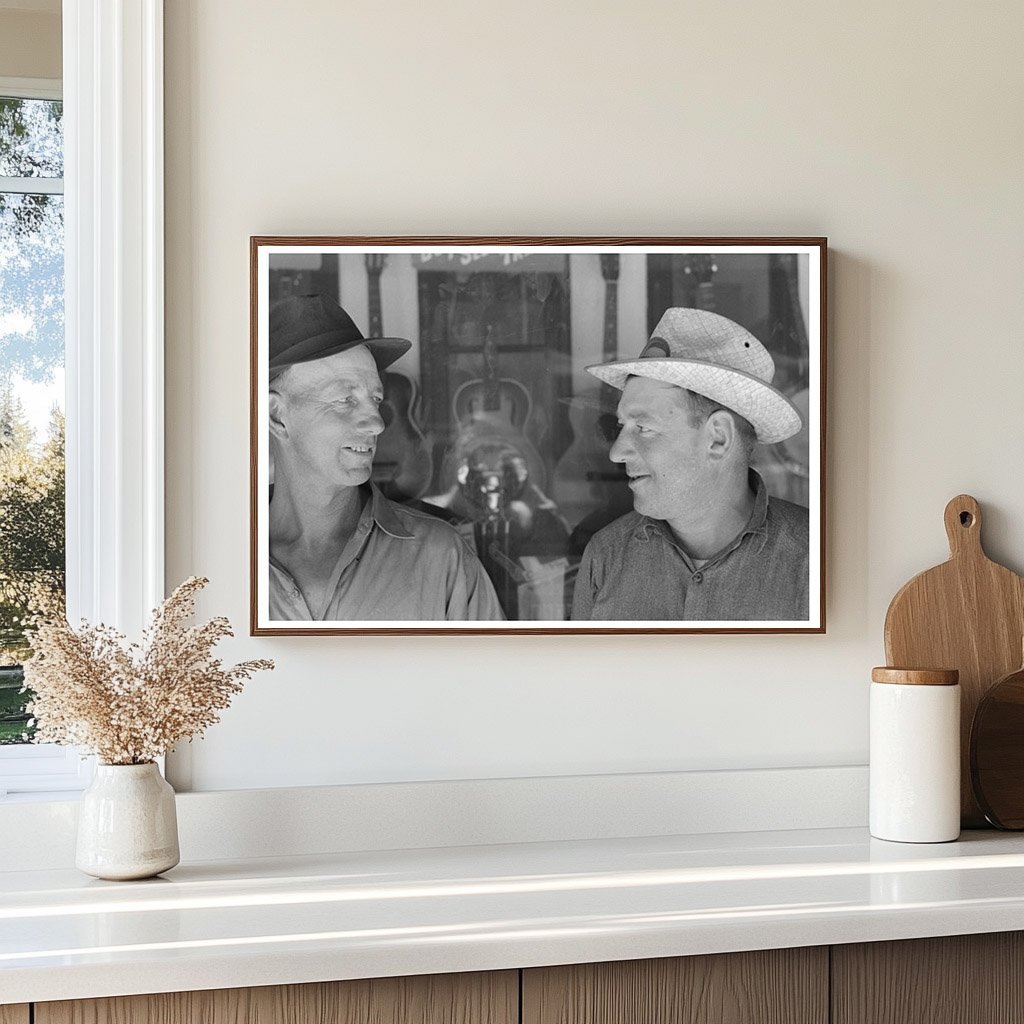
130	703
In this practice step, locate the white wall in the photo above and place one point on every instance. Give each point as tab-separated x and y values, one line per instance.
894	129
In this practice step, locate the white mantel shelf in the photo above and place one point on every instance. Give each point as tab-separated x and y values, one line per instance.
224	924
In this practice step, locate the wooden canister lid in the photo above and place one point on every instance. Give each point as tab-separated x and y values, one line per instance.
917	676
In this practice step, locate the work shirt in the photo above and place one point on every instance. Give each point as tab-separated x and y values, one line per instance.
399	564
634	569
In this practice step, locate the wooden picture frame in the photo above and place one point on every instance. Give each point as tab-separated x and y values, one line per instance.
496	439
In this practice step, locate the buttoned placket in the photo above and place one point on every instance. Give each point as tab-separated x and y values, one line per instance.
350	554
696	599
291	589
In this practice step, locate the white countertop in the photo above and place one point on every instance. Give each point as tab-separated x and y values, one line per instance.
224	924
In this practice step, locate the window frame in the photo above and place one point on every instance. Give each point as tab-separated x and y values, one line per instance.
32	88
38	767
114	336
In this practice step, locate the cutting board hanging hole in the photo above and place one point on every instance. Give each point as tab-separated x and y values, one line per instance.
963	526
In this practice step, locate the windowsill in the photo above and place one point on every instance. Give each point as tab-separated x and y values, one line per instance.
237	923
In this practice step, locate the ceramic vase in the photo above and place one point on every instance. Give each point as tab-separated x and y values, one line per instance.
127	825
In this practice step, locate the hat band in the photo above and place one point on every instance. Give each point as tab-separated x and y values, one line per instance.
302	350
656	348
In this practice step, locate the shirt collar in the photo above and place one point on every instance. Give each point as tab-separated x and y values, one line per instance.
385	514
756	524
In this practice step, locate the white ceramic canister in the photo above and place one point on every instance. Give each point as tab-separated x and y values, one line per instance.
915	755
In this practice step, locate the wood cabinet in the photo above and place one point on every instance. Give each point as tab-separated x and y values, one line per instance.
962	979
972	979
775	986
481	998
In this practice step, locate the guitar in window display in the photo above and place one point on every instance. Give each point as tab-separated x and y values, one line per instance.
785	467
493	475
402	467
702	268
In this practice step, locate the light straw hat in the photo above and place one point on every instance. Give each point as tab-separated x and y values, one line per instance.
715	357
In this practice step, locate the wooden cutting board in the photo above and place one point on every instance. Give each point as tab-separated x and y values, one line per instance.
967	614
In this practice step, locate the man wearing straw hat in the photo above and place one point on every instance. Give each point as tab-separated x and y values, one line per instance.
339	549
704	541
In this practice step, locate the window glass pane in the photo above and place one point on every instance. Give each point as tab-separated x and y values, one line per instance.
31	430
31	138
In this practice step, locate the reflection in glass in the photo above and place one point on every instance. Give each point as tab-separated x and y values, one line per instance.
31	138
31	385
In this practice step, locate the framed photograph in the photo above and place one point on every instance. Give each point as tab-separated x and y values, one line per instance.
537	435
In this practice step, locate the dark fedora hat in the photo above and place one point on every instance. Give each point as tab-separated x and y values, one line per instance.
308	327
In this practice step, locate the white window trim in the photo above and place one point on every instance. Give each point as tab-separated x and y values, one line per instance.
32	88
114	327
31	186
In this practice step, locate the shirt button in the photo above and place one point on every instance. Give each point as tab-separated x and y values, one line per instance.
698	577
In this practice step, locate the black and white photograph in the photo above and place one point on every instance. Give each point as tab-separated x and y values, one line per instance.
537	435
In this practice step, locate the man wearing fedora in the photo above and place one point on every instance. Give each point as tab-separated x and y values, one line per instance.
704	541
339	549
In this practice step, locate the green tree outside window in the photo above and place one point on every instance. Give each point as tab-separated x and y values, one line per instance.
31	355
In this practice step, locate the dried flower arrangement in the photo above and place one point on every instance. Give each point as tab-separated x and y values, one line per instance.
130	704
